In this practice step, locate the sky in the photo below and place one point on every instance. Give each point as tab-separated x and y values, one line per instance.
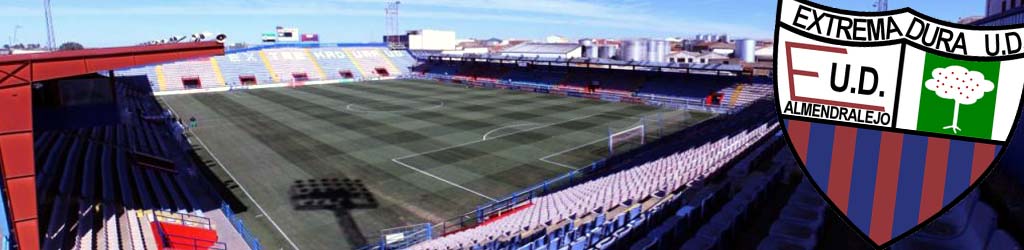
102	23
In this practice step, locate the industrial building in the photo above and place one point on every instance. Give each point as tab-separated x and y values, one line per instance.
436	40
1002	12
545	50
649	50
697	57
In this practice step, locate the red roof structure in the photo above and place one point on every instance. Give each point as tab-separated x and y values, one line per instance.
18	72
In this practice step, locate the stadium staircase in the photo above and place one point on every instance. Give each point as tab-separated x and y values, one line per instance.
100	187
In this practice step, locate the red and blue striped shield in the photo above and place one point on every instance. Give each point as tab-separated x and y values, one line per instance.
894	115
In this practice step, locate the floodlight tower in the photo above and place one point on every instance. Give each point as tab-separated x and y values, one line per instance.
881	5
14	39
391	18
50	43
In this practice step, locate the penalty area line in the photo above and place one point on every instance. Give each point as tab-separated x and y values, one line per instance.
545	158
442	179
399	159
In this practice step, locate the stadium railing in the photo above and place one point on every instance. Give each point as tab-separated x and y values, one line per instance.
616	96
168	240
403	237
494	209
254	243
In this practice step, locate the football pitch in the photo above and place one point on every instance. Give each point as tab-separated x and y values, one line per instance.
418	151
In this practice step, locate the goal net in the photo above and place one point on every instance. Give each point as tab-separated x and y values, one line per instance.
633	136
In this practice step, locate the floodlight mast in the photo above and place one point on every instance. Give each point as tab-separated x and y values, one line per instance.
391	18
50	40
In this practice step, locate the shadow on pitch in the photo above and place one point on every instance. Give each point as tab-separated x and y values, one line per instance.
339	195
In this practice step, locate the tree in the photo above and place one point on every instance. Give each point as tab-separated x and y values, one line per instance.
961	85
71	46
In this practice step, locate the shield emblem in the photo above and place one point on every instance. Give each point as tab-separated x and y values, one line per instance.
894	115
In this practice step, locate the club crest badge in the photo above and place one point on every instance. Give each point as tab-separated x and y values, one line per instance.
894	115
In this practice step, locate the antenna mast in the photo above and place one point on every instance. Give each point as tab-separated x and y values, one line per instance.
50	43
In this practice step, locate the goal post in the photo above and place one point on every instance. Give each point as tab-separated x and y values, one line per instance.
633	135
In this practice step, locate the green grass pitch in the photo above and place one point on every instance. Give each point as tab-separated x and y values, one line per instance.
426	152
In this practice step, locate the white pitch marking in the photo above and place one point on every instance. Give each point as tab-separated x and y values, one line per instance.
442	179
559	164
222	166
399	162
496	137
509	126
545	158
353	107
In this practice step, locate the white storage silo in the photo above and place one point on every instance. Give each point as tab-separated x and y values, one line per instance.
634	50
589	50
606	51
662	50
745	49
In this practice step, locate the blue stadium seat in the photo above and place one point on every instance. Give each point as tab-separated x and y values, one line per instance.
1002	240
811	216
634	212
89	166
527	246
107	174
605	243
72	164
800	234
580	243
700	243
773	243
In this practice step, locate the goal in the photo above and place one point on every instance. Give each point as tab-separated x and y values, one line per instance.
630	136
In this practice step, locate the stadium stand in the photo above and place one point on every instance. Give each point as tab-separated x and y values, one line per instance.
105	187
401	59
276	64
335	63
189	75
655	88
291	65
722	184
237	65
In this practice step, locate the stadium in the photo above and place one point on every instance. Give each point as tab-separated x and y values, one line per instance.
195	143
